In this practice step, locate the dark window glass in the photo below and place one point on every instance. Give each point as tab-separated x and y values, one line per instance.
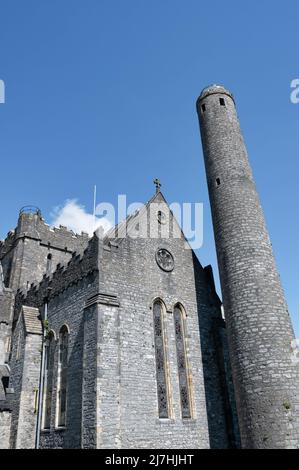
160	361
182	362
49	263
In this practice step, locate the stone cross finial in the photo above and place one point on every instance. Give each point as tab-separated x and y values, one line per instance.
158	185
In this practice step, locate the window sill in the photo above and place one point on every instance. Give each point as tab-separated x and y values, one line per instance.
46	431
165	420
60	428
185	421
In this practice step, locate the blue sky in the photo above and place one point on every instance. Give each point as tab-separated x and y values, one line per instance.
103	92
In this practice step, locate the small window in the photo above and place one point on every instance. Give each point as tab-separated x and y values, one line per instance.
222	102
5	382
49	263
218	182
203	108
161	217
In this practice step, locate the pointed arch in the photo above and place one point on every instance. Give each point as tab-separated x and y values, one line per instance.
179	317
161	361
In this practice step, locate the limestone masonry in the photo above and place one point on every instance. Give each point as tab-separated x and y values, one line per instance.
120	341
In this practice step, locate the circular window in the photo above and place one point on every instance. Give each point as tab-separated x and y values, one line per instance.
165	260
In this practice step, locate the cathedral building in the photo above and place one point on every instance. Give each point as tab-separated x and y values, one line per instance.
120	340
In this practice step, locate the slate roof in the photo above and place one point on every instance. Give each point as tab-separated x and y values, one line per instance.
32	320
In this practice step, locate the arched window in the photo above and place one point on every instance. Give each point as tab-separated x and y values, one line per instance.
161	369
48	383
62	376
179	325
49	263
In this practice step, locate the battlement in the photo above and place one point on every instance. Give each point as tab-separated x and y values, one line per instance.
34	210
214	90
79	266
32	225
34	248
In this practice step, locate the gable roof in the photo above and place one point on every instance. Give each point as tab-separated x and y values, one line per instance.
120	231
32	320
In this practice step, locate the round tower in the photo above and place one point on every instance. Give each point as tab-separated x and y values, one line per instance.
259	328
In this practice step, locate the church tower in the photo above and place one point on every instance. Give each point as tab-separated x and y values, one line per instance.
259	328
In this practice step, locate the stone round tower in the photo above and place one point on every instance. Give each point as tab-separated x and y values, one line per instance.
259	328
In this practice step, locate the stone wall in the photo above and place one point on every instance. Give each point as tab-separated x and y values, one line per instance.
127	406
6	315
5	421
67	309
105	297
16	379
260	332
25	375
222	421
24	252
28	398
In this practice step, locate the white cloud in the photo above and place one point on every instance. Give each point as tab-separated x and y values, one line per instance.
74	217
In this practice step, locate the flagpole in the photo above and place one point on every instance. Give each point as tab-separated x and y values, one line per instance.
94	206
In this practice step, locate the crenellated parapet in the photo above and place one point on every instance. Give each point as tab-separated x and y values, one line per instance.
32	226
64	276
34	248
7	244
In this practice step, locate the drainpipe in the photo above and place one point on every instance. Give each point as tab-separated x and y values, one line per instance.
41	378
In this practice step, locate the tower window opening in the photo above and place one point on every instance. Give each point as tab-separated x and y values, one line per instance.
218	182
222	101
203	108
49	263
